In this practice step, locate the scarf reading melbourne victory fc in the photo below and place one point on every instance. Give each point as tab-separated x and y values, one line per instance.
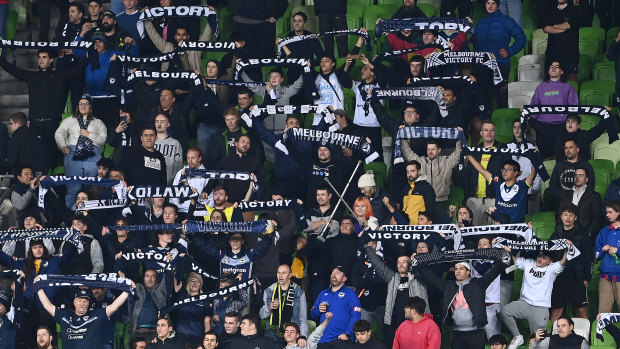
52	181
111	280
605	320
424	132
449	57
344	140
594	110
290	39
551	245
209	296
433	23
422	260
520	229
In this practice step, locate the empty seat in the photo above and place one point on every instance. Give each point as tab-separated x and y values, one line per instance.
544	224
510	114
606	151
589	47
604	71
584	71
589	121
595	34
539	42
531	72
520	93
532	59
603	171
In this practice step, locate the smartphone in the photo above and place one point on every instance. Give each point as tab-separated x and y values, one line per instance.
546	334
123	119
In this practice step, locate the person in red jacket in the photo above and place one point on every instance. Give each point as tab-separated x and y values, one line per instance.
418	331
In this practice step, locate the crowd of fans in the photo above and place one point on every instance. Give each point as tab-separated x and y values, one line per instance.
321	280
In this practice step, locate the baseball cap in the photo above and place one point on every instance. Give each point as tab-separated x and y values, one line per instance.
465	264
82	294
109	14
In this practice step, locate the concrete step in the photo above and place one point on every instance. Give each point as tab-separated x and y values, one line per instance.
14	100
7	111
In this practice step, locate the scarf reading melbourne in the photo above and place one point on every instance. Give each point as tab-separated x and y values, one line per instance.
84	148
521	229
301	63
433	23
207	297
605	320
532	154
65	234
551	245
111	280
296	38
219	174
412	93
52	181
182	11
207	46
284	313
161	191
449	57
423	260
164	76
37	45
341	139
424	132
594	110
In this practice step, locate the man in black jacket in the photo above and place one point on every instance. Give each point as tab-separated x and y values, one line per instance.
256	19
310	49
563	175
588	203
464	299
25	147
250	339
583	138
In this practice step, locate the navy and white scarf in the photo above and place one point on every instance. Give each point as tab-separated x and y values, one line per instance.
551	245
519	229
37	45
52	181
233	83
225	46
424	132
432	23
110	281
605	320
161	191
422	260
296	38
84	148
182	11
438	45
341	139
104	204
449	57
412	93
219	174
194	227
594	110
155	256
166	57
208	297
264	111
532	154
164	76
300	63
64	234
196	268
448	229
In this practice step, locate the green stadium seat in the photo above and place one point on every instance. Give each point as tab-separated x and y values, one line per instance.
617	173
600	85
575	85
595	97
59	170
456	196
11	25
601	189
529	17
603	171
606	151
590	47
349	100
429	9
478	11
355	9
353	21
612	33
597	34
379	169
589	121
539	42
604	71
505	114
391	2
584	71
608	339
544	224
363	3
503	131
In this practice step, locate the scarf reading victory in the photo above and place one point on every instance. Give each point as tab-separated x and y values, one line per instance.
194	227
208	297
412	93
300	63
226	46
341	139
161	191
520	229
594	110
164	76
148	256
424	132
605	320
531	154
423	260
448	57
52	181
65	234
551	245
111	280
182	11
290	39
433	23
37	45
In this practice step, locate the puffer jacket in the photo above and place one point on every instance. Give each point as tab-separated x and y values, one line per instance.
418	196
438	171
494	32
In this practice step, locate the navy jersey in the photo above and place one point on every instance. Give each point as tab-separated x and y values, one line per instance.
511	200
79	332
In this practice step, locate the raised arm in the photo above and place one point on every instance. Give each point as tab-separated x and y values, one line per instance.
382	270
49	307
112	308
486	174
529	180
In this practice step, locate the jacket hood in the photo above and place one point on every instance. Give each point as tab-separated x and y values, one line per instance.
421	178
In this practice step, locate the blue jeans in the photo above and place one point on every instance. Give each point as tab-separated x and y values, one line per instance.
86	168
204	133
4	15
512	9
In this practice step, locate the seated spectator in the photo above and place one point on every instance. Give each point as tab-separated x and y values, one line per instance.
418	330
588	203
498	342
565	338
294	341
363	331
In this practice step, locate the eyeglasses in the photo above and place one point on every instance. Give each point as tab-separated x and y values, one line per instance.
508	170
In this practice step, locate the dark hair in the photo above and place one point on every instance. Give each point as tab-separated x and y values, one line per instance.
78	6
330	56
237	36
433	141
571	139
217	63
29	263
32	214
174	207
19	169
79	217
414	163
417	59
350	219
136	340
44	327
277	70
515	165
361	326
232	111
426	214
224	218
167	319
293	325
568	319
498	339
148	128
105	162
245	91
570	208
253	319
304	16
416	303
211	333
122	219
234	314
584	170
20	118
432	31
324	187
174	95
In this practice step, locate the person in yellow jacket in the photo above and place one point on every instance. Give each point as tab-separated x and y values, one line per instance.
419	195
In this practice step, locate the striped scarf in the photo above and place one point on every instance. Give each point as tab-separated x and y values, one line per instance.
323	137
63	234
424	132
84	148
448	57
111	281
433	23
532	154
520	229
551	245
422	260
297	38
607	319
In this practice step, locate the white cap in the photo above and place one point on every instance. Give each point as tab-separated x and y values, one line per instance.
366	180
465	264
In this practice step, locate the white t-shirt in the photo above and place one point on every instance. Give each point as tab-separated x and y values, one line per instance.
360	118
538	282
327	95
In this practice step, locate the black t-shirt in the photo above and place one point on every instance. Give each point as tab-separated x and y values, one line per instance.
79	332
398	312
144	167
566	44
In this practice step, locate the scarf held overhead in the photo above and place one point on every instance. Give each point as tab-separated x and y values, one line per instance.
594	110
165	76
52	181
433	23
532	154
219	174
193	227
264	111
207	46
438	45
112	281
340	139
424	132
449	57
182	11
301	63
422	260
65	234
520	229
161	191
210	296
412	93
551	245
36	45
296	38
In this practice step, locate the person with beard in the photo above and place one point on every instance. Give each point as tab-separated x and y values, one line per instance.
44	338
418	331
100	300
419	195
574	280
588	202
566	338
209	341
117	38
563	175
410	10
230	212
150	298
89	331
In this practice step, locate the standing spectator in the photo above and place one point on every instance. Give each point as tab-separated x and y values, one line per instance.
8	326
329	83
377	196
438	169
309	49
573	282
552	92
565	338
520	142
512	8
149	300
101	299
194	161
90	260
25	147
232	322
45	12
210	341
4	15
333	16
606	248
418	331
144	165
562	26
588	203
169	147
535	300
343	303
80	138
419	195
411	10
256	19
128	20
493	34
117	38
95	8
492	295
602	9
563	175
192	320
178	113
45	337
124	136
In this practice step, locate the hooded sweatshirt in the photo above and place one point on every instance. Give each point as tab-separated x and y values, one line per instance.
422	334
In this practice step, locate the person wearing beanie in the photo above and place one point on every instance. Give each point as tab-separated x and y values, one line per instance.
377	196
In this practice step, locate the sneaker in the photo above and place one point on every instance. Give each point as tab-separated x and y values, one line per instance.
516	342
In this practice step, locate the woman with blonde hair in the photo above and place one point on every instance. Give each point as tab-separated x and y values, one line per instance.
195	319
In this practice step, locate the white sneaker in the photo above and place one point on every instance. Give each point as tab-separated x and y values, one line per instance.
515	342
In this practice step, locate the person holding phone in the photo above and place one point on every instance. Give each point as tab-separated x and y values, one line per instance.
565	338
124	135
